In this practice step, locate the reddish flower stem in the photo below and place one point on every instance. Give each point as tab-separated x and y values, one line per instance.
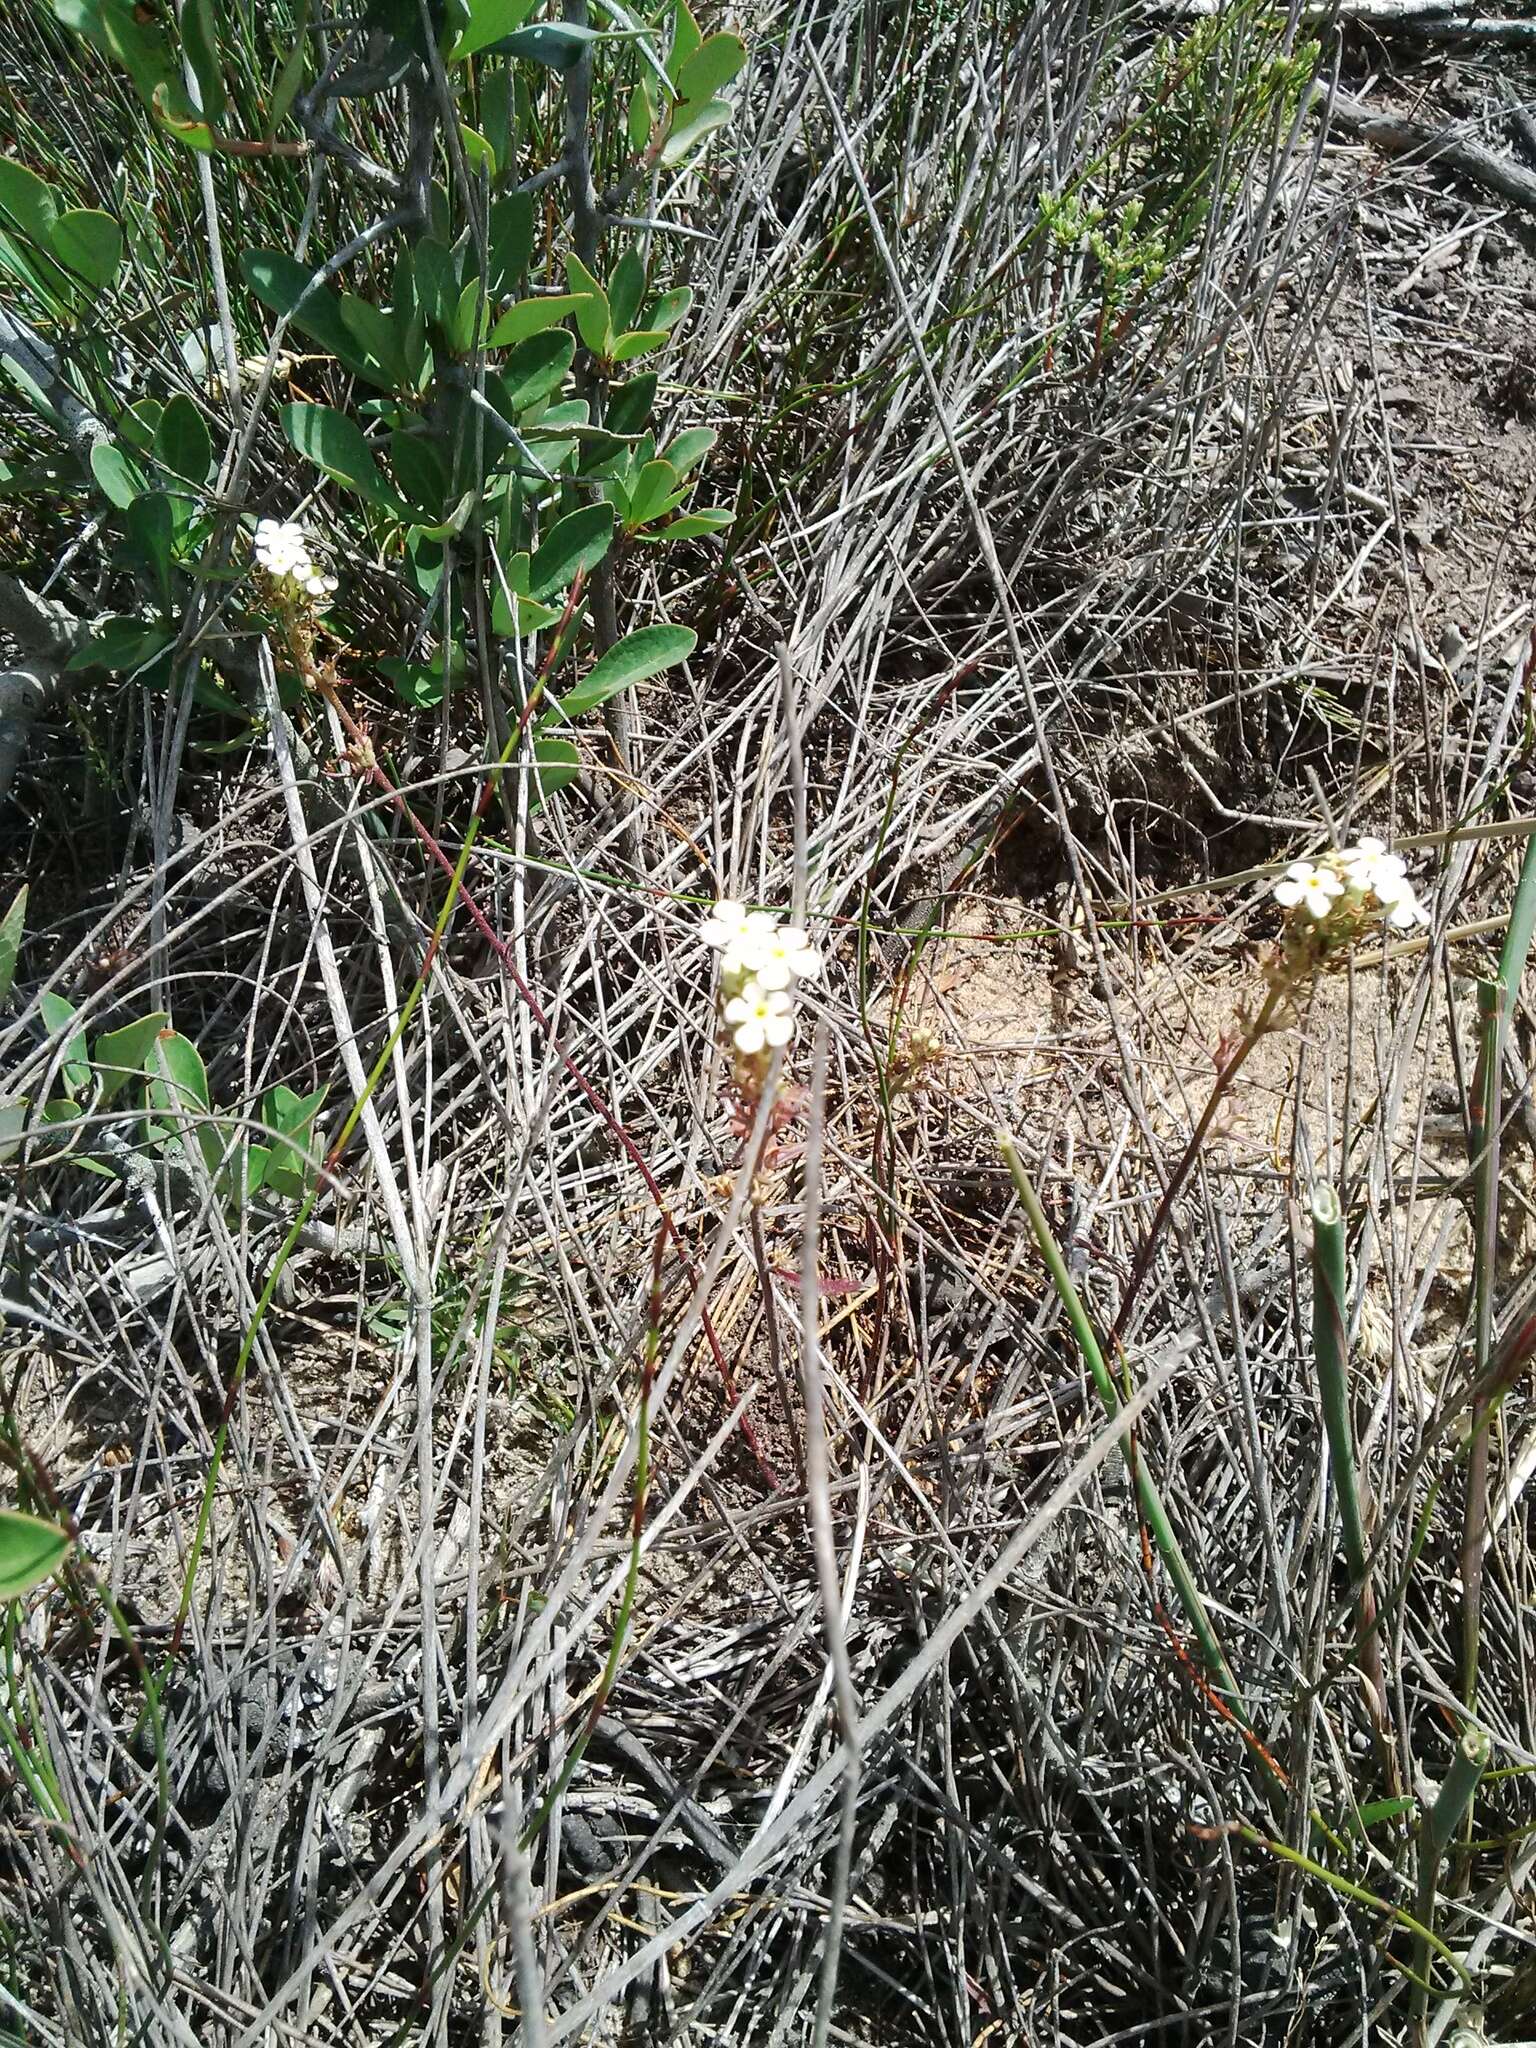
370	769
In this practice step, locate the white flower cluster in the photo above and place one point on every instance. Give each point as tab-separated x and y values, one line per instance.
1347	890
761	964
283	549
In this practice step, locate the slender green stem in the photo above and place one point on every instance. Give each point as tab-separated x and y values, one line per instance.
1427	1938
1153	1511
1484	1136
1330	1346
1522	923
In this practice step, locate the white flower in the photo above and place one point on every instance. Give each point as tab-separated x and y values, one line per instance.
780	958
725	924
1307	886
746	940
1384	876
1400	904
760	1017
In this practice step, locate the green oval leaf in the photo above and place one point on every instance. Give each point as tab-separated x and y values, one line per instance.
203	35
556	762
690	449
13	1122
714	63
426	683
556	44
182	443
626	288
119	1056
258	1163
119	642
533	370
177	116
282	284
140	46
639	117
291	1119
632	660
121	480
629	404
649	492
489	21
137	422
578	541
470	321
291	77
692	526
694	122
593	321
11	927
417	462
508	242
478	153
88	243
149	526
335	444
58	1014
532	316
178	1080
30	1550
666	311
640	343
26	202
685	39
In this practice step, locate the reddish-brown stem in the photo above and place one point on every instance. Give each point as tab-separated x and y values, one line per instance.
1225	1076
503	952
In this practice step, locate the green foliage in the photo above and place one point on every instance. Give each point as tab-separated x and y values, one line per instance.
335	444
635	659
134	39
30	1549
12	926
459	399
1206	100
489	21
89	243
154	1079
1210	95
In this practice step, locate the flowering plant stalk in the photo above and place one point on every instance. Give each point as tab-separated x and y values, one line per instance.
1329	905
291	576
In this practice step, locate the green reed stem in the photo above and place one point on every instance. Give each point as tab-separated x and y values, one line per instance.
1484	1145
1330	1347
1159	1527
1452	1802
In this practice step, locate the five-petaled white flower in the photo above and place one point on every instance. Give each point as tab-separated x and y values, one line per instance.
779	958
1305	885
760	1017
726	924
